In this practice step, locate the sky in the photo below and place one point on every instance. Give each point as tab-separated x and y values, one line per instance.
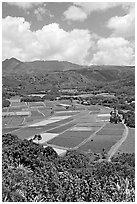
85	33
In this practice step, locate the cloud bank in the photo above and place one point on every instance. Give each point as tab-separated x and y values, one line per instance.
123	25
54	43
25	5
49	43
114	51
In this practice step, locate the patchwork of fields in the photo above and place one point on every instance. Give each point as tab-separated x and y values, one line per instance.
86	128
104	138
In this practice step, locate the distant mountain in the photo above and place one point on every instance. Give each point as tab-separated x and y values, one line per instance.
14	66
41	76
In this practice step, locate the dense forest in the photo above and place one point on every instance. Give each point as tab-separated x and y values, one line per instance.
32	173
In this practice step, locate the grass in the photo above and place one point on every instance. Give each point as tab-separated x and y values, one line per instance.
20	104
4	109
7	130
59	108
6	121
93	108
36	113
54	124
114	126
63	121
65	101
16	121
27	132
128	145
65	142
70	139
62	128
50	103
99	142
105	131
14	109
66	113
45	112
105	138
86	119
36	104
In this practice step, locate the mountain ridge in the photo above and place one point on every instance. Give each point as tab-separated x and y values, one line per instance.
14	65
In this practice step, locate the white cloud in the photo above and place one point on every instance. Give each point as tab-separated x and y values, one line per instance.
115	51
123	25
25	5
89	7
53	43
40	12
49	43
81	10
75	13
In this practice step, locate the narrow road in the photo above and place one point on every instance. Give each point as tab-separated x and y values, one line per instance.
115	147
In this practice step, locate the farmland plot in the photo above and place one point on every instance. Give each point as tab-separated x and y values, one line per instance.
105	138
114	126
61	128
27	132
36	104
46	112
4	109
6	121
98	125
128	146
99	142
86	119
105	131
49	103
8	130
20	104
59	108
53	121
70	139
16	121
15	109
93	108
67	113
36	113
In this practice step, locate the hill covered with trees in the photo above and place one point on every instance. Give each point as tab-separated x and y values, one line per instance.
32	173
42	76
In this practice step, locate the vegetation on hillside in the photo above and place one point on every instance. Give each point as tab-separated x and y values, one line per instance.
32	173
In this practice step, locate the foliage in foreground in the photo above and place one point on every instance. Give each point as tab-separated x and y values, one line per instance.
32	173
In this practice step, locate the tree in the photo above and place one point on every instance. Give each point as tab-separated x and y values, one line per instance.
5	103
38	137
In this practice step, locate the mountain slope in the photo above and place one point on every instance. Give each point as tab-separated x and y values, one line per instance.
15	66
41	76
10	66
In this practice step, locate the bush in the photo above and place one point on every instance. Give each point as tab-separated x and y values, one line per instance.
31	99
5	103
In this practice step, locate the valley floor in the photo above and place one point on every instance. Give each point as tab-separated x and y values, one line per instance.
86	128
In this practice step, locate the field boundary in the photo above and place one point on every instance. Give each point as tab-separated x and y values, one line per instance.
116	146
87	139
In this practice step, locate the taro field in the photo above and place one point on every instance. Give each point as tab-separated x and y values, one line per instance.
86	128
